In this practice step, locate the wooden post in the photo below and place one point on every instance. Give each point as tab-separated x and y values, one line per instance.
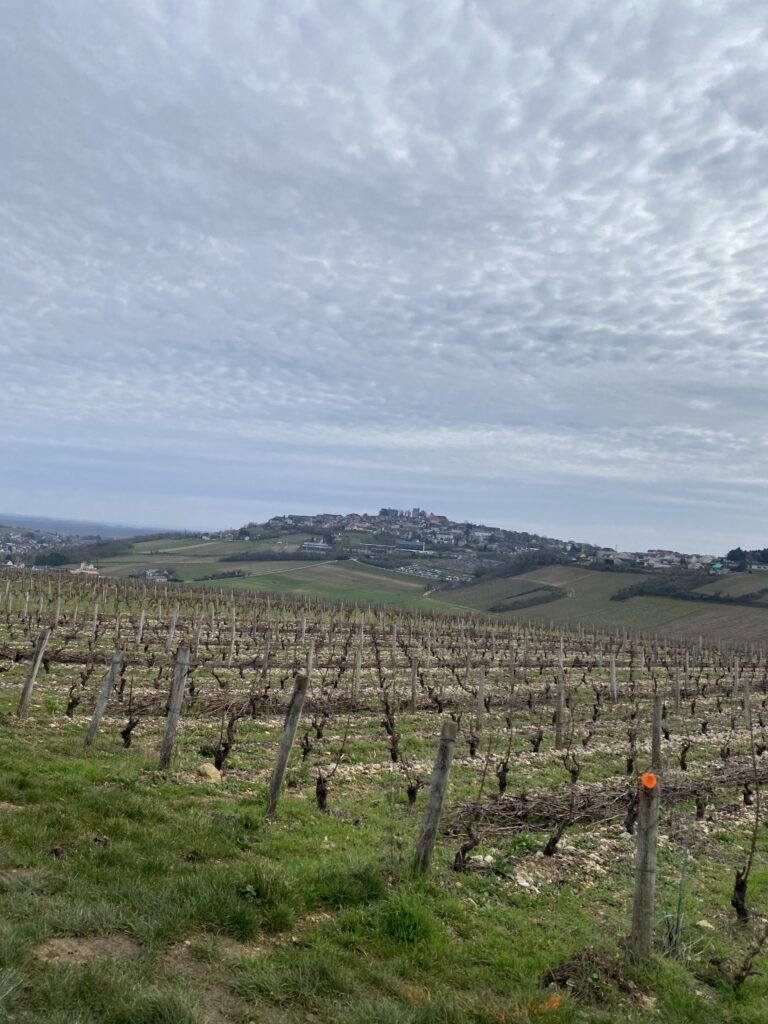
265	655
101	703
358	668
180	669
559	709
140	630
198	631
480	696
34	668
172	629
612	678
232	635
677	689
658	707
435	798
747	704
289	733
645	867
414	681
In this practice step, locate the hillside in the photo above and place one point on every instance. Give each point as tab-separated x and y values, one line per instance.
558	594
275	566
587	600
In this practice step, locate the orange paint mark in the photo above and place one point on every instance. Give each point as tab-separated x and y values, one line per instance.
553	1003
648	780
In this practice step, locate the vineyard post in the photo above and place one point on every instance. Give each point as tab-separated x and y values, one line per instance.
358	667
560	709
180	669
677	689
289	733
172	629
612	678
480	696
140	630
37	658
414	681
645	868
436	796
232	635
198	631
747	704
265	654
658	709
101	703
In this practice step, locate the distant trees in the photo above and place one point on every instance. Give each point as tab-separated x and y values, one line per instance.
685	587
51	558
759	555
521	563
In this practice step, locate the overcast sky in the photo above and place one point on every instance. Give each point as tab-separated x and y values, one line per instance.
504	261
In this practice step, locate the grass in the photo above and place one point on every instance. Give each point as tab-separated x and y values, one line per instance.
311	916
129	894
344	581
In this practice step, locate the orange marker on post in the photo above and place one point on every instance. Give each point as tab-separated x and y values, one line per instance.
645	866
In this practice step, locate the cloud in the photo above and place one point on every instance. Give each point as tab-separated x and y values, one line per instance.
500	245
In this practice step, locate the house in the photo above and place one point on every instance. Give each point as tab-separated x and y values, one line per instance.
86	569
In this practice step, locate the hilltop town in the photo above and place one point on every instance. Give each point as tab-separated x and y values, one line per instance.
414	537
399	531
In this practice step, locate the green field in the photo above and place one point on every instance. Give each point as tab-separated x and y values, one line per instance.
194	561
342	581
588	602
488	596
737	584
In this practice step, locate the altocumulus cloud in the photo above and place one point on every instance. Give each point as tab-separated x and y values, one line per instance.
504	260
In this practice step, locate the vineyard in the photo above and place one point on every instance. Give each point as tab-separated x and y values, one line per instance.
236	805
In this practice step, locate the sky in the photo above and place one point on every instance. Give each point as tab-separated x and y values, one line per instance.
504	261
